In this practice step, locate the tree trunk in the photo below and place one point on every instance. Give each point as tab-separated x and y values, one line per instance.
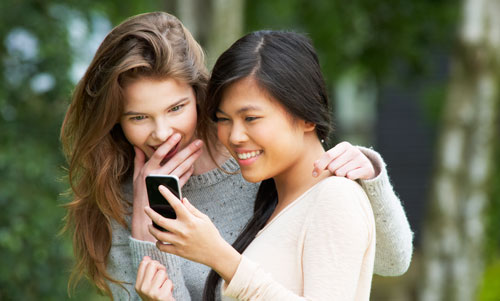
215	24
195	15
454	232
227	27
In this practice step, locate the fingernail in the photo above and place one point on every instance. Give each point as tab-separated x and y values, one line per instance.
315	174
177	136
198	143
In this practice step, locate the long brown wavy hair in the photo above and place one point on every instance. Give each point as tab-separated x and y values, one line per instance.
153	45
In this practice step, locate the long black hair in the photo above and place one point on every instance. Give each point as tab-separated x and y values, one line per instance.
285	65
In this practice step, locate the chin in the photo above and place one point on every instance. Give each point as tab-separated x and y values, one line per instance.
253	178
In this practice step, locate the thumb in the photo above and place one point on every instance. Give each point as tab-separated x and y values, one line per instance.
139	160
316	169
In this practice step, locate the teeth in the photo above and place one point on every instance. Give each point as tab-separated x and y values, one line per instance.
244	156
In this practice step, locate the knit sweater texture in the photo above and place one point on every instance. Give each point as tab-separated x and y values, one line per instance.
228	200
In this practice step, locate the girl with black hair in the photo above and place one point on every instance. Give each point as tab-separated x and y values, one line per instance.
310	237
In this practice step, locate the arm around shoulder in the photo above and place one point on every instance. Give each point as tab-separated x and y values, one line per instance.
394	236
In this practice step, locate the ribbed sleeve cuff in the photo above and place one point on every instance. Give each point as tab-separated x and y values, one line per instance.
379	186
140	248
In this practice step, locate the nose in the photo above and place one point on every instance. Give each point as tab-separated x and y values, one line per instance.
161	131
238	134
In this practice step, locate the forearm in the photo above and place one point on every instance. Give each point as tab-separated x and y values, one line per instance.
226	262
394	245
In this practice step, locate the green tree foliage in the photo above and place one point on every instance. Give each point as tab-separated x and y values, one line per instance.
36	55
376	35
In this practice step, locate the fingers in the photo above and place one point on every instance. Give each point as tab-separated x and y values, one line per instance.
183	167
159	278
146	272
344	160
139	161
179	208
192	208
347	161
359	173
168	286
183	160
164	237
166	223
167	248
140	272
163	150
166	290
328	157
185	177
181	164
152	281
343	170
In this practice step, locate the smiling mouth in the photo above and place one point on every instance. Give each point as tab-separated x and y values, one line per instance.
248	155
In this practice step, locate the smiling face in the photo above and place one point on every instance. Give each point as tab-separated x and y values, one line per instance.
154	110
258	132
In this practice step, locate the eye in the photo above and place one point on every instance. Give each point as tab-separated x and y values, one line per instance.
176	108
138	118
251	118
220	119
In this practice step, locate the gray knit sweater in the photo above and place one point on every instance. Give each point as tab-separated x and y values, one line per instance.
228	200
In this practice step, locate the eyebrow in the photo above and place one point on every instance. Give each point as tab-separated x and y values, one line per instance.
131	113
243	110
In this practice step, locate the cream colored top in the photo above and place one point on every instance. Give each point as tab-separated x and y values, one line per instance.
320	247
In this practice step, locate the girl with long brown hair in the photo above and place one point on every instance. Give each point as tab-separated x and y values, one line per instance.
133	113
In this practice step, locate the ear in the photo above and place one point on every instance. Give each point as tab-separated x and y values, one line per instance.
309	126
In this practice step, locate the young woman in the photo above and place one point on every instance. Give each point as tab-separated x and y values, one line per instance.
310	237
133	113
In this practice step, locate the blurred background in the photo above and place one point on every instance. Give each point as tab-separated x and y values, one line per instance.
417	80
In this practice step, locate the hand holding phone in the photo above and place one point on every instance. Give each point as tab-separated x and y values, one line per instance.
156	200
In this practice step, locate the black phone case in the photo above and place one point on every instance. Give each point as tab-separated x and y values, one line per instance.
156	200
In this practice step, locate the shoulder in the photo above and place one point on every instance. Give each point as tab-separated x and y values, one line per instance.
339	188
340	196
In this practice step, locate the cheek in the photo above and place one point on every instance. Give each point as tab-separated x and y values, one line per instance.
265	135
189	120
222	133
135	134
194	119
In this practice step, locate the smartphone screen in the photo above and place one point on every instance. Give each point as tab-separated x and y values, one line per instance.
156	200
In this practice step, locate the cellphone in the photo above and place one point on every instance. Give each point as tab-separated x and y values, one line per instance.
156	200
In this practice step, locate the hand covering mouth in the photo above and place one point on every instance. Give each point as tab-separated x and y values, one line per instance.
171	153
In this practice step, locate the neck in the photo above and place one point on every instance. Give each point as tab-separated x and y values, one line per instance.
205	163
298	178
